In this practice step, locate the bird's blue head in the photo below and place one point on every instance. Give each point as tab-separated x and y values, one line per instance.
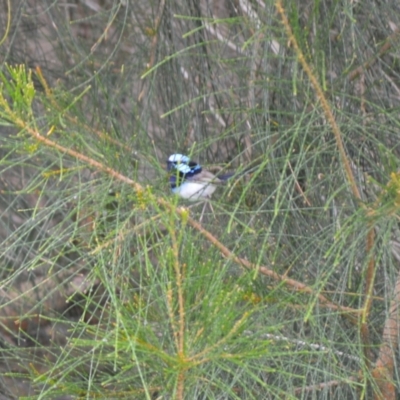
182	164
182	169
177	161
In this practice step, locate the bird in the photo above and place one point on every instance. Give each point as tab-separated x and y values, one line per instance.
190	181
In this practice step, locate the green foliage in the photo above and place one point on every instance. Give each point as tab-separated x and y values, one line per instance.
17	85
111	288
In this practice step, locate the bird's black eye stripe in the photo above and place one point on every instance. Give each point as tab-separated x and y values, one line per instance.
171	164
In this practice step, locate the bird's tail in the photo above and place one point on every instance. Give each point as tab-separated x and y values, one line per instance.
225	177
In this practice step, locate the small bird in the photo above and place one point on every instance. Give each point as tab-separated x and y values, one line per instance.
190	181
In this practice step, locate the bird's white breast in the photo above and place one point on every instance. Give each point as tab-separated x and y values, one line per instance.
194	191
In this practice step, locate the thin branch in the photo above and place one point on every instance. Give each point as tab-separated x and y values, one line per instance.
386	47
324	102
384	370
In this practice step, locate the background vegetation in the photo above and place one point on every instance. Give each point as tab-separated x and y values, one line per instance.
111	287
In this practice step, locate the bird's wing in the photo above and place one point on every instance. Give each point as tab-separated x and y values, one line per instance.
205	177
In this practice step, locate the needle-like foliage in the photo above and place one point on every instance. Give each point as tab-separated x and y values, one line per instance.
111	288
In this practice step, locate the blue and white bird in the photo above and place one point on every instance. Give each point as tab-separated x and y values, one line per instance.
190	181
